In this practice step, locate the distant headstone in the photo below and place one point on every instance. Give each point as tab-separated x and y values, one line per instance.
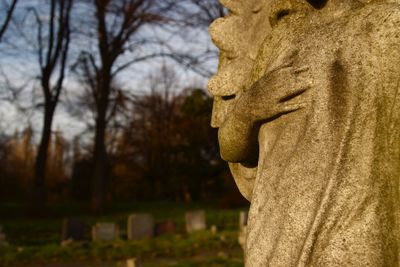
3	240
242	237
133	263
214	229
164	228
73	229
243	219
105	232
195	221
140	226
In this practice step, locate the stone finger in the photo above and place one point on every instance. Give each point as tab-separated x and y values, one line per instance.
288	108
294	93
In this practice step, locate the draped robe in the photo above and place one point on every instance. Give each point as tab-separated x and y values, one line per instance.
326	190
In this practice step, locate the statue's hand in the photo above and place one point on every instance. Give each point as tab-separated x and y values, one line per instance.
280	91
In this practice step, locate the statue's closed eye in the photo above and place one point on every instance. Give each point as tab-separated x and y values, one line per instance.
278	15
228	97
281	14
318	4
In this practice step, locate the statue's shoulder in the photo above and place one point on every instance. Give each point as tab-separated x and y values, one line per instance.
375	27
373	22
380	20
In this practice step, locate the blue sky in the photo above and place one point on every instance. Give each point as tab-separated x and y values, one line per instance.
18	62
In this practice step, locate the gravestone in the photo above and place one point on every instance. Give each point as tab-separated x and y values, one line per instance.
133	263
140	226
164	228
3	239
73	229
214	229
242	237
243	215
195	221
105	232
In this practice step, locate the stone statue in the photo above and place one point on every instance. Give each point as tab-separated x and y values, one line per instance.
307	102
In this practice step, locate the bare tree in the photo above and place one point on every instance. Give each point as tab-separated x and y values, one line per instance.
121	30
119	26
192	18
53	37
6	22
168	143
147	143
200	13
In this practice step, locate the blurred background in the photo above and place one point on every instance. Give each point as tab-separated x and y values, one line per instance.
104	114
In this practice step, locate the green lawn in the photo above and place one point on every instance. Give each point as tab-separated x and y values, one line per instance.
38	241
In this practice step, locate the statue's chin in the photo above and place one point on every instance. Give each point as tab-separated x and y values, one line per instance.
244	177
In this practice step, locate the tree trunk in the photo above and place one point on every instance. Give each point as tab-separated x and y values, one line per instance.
100	167
100	158
39	189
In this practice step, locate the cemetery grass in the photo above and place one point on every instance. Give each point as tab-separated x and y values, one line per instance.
37	242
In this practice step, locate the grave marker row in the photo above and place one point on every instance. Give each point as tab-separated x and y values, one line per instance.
140	225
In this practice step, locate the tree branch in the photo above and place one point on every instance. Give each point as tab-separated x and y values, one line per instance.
9	15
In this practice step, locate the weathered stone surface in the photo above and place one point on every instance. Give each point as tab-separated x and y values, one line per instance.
73	229
140	226
307	103
195	221
105	232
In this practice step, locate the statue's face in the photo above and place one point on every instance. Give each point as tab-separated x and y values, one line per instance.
239	38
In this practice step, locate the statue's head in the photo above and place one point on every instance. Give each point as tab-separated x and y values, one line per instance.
240	37
239	41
